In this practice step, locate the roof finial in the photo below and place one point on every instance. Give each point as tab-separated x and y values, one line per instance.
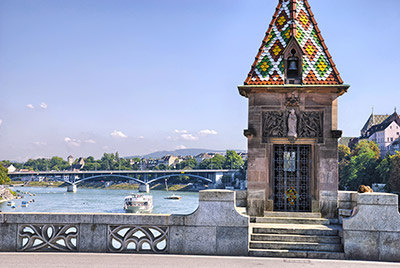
395	109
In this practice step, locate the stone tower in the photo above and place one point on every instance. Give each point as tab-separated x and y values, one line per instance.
293	87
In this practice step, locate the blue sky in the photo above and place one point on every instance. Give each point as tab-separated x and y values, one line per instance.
92	76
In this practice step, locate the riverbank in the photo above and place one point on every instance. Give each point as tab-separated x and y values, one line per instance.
7	194
101	185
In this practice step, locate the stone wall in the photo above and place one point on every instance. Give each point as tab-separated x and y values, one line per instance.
215	228
373	231
241	198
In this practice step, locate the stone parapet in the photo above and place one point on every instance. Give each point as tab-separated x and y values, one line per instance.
373	232
215	228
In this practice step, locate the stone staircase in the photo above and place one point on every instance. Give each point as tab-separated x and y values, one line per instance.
295	235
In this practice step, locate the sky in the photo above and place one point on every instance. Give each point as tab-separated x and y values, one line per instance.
84	77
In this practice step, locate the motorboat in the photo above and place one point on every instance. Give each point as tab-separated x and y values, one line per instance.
10	203
173	197
138	203
24	203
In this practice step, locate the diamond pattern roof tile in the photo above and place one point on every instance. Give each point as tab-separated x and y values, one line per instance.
293	18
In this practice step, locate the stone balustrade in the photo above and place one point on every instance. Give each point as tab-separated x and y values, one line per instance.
215	228
373	230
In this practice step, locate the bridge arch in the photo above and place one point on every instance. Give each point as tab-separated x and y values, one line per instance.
173	175
108	175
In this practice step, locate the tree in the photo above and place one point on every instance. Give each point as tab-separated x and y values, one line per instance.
217	162
344	152
187	164
365	145
92	164
4	175
57	163
233	160
394	178
361	168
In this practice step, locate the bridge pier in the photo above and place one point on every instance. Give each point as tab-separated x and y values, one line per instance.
144	188
72	188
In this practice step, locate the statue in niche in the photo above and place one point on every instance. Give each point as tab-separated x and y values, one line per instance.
292	124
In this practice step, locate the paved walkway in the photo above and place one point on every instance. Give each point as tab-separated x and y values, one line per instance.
85	260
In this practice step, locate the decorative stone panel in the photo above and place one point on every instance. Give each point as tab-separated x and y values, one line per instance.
138	239
48	237
309	124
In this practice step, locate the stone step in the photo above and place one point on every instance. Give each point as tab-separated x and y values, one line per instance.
291	220
293	229
297	246
296	238
345	212
296	254
292	214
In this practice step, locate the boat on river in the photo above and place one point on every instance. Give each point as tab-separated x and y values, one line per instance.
173	197
10	203
138	203
24	203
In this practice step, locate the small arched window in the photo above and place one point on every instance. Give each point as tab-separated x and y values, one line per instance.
293	66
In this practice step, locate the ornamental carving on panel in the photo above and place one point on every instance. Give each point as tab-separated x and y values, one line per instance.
279	124
126	238
48	237
311	124
274	124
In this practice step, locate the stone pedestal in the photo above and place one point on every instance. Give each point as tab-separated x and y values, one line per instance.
144	188
373	232
72	188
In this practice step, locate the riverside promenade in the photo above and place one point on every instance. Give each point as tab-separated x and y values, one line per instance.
85	260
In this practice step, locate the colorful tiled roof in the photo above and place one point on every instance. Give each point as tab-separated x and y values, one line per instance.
293	18
374	119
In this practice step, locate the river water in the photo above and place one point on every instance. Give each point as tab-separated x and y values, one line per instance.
98	201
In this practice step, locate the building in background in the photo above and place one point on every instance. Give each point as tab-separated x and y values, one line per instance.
384	130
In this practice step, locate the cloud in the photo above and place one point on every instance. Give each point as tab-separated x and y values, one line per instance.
118	134
40	143
189	137
73	142
90	141
30	106
1	122
141	137
43	105
180	131
206	132
181	147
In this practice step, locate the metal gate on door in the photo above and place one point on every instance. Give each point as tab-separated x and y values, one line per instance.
292	178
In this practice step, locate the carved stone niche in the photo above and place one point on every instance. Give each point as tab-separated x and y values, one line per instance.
292	99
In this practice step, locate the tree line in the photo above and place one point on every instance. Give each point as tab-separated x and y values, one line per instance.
363	166
111	161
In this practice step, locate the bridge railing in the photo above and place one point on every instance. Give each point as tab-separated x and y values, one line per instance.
215	228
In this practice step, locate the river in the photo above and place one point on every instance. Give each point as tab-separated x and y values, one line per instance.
98	201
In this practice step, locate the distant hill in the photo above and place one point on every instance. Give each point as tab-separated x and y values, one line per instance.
180	152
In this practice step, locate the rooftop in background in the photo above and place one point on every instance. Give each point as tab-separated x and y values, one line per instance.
374	119
380	126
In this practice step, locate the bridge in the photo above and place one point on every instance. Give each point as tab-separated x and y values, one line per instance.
143	177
